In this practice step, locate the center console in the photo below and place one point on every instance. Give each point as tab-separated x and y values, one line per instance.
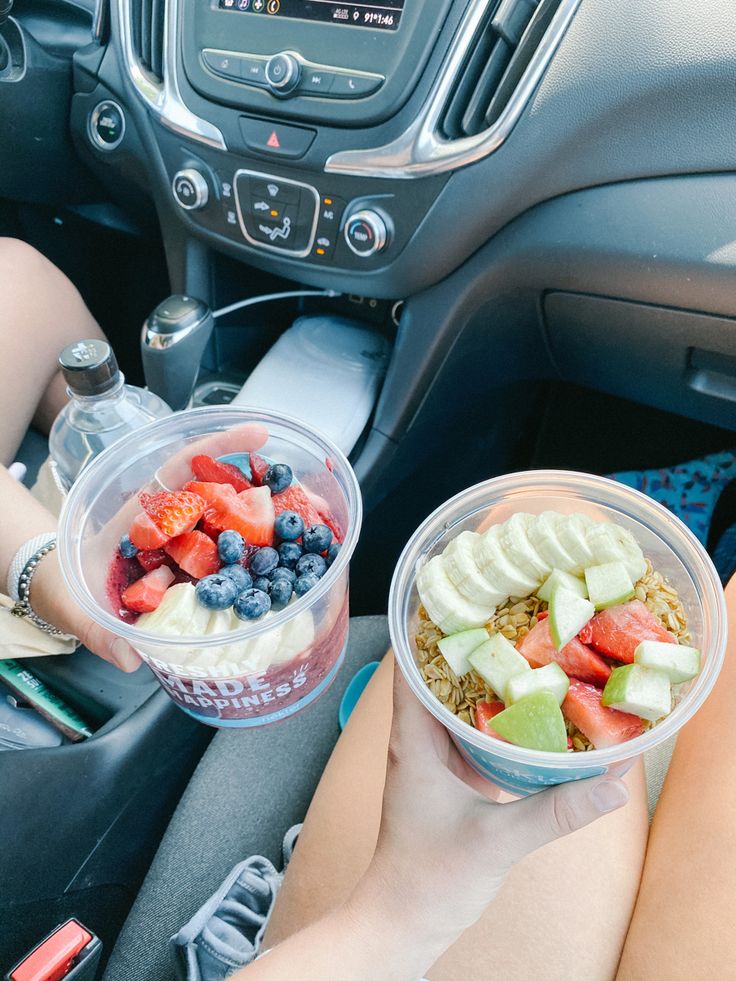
314	138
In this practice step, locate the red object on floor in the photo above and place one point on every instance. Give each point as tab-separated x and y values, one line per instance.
53	959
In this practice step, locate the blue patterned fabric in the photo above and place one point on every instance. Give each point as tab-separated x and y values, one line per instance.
690	490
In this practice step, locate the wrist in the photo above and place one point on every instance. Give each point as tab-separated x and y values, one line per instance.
396	922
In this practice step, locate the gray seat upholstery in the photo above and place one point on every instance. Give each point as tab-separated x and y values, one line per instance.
249	788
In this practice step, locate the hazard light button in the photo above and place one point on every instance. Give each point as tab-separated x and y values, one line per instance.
275	139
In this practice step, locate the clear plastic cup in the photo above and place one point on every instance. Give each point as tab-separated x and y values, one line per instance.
673	550
269	669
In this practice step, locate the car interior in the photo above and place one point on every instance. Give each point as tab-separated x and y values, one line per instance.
471	236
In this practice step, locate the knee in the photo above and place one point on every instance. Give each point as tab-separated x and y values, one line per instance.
20	262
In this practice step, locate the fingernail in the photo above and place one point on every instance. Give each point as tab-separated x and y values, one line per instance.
124	656
608	795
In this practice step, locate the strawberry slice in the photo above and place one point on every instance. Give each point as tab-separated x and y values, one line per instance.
575	659
258	468
145	595
295	499
211	493
209	469
251	514
484	712
195	553
145	535
153	559
174	512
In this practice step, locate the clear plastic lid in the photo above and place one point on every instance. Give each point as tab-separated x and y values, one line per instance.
670	546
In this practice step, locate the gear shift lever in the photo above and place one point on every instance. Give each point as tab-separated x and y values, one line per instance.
5	7
172	343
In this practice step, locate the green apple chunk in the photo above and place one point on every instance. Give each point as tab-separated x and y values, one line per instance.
608	584
678	662
640	691
497	661
561	578
568	614
456	648
549	678
535	722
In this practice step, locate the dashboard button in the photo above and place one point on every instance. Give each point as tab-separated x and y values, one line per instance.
349	86
106	125
275	139
190	189
223	62
253	70
274	190
316	81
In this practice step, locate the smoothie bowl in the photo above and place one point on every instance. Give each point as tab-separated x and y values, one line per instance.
217	543
556	624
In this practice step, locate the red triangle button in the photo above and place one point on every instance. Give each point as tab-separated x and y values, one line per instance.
274	141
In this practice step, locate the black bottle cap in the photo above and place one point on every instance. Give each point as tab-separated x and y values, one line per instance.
89	367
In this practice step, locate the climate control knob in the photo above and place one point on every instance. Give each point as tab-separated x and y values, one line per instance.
190	189
282	73
366	232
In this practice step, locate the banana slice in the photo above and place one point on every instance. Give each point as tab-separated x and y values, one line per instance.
502	575
572	530
542	532
611	543
513	537
463	572
447	607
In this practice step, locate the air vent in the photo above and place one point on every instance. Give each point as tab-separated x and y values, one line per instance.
147	21
501	51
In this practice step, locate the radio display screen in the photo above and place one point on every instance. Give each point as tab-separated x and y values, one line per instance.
384	16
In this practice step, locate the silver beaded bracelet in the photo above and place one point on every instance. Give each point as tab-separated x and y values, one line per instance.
23	606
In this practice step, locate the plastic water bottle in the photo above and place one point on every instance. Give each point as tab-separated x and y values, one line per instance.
101	408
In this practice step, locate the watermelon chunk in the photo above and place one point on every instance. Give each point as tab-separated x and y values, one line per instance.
295	499
195	553
602	726
618	631
484	712
207	469
575	659
145	594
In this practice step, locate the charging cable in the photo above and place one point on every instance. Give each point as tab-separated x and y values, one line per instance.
268	297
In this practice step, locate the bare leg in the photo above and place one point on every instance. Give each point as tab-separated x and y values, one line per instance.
683	924
42	313
563	913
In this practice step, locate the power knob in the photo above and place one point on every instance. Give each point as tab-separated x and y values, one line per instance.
282	73
190	189
366	233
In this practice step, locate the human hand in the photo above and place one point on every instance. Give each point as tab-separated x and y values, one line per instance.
444	846
51	601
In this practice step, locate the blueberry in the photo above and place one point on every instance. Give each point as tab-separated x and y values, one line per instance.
332	553
264	561
317	538
289	554
305	583
252	604
282	573
278	477
313	565
281	591
263	583
126	548
216	592
239	576
230	547
289	526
